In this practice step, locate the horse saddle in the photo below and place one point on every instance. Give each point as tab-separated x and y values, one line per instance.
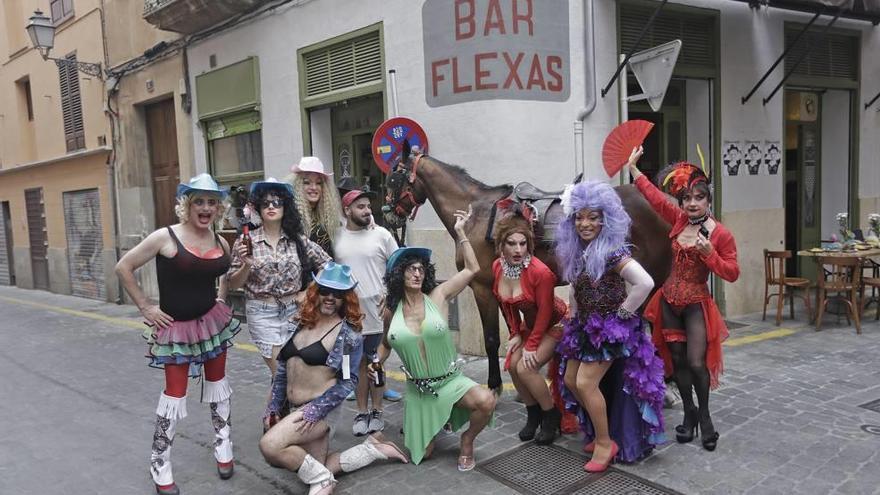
544	205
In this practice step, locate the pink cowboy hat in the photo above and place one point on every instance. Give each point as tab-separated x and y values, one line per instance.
310	164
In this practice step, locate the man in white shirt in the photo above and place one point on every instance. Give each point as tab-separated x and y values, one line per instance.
365	248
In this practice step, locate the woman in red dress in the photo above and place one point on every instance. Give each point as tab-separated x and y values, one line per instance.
687	327
524	288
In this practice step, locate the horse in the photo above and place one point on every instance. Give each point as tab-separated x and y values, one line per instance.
420	178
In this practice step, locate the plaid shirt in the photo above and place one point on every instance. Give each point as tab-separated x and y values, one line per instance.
276	272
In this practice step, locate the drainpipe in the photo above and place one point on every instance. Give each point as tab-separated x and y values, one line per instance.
590	100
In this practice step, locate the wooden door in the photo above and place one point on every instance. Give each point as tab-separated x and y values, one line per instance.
38	238
164	162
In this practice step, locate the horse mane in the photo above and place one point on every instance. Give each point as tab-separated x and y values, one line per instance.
503	188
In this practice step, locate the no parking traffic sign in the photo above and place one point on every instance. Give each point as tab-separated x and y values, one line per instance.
389	137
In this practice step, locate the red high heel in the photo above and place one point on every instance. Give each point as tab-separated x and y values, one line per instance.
590	447
599	467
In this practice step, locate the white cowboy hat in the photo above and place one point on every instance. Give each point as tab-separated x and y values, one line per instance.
310	164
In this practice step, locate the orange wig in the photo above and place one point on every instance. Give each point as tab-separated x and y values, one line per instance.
349	311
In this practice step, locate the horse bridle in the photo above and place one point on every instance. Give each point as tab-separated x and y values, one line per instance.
403	203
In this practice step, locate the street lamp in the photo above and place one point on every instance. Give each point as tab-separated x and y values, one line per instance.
42	33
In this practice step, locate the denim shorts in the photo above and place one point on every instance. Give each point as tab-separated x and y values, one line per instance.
268	324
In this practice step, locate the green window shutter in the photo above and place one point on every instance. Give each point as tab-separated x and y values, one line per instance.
696	32
833	55
229	89
342	66
232	125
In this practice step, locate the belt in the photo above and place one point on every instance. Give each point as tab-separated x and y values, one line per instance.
426	385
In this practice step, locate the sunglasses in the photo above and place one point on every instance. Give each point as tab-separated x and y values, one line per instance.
274	203
327	291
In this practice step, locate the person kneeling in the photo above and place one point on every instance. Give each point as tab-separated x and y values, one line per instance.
317	368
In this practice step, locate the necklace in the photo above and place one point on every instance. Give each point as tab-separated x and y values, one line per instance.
514	271
699	220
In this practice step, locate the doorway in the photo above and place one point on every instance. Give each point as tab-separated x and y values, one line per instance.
164	161
38	237
817	170
7	265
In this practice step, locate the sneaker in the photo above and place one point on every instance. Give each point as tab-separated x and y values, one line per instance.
391	395
350	396
361	424
376	421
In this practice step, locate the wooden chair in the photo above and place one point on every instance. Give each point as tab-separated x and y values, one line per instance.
845	280
774	275
873	283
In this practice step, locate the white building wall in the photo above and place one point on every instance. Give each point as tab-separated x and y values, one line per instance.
506	141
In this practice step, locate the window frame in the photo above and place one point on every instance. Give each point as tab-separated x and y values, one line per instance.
65	14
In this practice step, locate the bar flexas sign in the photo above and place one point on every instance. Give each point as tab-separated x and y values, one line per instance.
496	49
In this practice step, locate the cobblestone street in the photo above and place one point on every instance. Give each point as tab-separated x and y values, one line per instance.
78	402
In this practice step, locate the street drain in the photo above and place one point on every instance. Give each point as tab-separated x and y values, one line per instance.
551	470
874	405
732	325
615	482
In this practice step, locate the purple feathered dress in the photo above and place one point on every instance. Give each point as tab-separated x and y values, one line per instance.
633	387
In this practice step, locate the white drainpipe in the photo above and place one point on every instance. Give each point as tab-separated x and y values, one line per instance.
589	61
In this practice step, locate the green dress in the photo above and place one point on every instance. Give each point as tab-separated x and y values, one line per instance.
424	414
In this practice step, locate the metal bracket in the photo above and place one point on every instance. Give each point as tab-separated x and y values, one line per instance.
633	48
781	57
93	70
801	58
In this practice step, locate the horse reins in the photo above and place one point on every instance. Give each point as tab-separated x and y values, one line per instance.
406	204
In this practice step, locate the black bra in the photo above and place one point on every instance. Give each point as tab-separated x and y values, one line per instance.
313	354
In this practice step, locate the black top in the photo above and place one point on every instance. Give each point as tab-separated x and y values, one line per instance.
314	354
187	282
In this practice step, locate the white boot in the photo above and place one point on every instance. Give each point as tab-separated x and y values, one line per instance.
315	474
168	412
360	456
218	394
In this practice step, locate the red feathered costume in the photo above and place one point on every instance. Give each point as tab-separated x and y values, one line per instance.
687	283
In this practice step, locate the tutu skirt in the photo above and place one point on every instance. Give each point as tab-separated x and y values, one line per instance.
192	341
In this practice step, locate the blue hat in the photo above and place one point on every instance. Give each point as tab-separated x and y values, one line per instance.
201	183
335	276
423	253
272	183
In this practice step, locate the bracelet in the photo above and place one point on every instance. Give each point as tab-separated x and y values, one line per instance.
464	240
624	314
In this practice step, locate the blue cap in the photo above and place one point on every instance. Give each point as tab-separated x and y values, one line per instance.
201	183
272	183
423	253
335	276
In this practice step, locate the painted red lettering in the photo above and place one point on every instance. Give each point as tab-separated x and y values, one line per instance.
456	87
526	17
436	76
555	84
494	19
465	26
536	75
513	68
480	74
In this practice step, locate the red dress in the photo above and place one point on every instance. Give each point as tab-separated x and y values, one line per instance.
531	313
687	282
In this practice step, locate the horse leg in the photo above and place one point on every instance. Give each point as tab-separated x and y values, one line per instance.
488	306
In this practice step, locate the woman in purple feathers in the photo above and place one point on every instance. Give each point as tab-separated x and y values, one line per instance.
604	337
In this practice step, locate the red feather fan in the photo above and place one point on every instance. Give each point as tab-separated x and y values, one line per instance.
620	143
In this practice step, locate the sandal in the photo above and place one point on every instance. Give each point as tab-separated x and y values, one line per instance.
466	463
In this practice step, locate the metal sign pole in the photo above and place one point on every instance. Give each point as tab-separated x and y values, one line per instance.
392	77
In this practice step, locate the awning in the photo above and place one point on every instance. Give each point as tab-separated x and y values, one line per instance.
862	10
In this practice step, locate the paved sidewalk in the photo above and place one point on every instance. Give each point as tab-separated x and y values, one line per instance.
78	402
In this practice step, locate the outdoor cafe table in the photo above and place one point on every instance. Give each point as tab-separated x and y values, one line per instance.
861	254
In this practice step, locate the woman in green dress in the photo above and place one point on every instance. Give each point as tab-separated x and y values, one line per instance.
437	391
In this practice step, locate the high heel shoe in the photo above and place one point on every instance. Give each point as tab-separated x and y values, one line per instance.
600	467
590	447
708	436
686	431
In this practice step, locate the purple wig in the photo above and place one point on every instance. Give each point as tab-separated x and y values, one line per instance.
573	253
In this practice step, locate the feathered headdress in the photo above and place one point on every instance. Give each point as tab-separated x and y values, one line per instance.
682	176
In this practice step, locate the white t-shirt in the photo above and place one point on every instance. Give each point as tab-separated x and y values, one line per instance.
366	252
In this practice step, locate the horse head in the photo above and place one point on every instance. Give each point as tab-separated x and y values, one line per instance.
404	192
